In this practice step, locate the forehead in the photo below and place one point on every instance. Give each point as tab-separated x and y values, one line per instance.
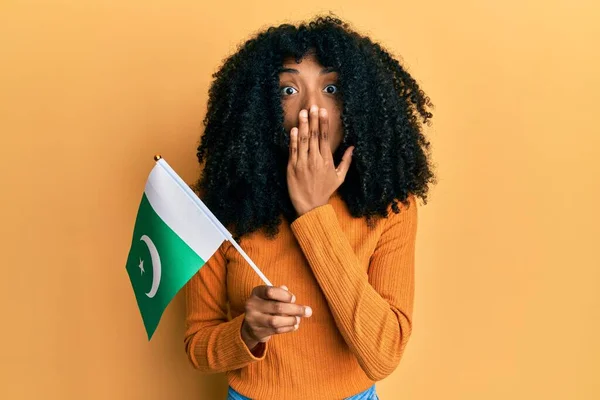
308	63
308	57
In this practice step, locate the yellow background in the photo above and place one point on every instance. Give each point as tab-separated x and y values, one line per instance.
507	303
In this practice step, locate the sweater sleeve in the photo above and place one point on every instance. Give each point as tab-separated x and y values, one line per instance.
214	343
373	310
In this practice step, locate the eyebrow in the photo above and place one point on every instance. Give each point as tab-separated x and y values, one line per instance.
324	71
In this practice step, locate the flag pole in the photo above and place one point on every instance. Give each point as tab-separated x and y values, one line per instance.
226	234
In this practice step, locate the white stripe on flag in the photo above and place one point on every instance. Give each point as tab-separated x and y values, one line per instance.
181	214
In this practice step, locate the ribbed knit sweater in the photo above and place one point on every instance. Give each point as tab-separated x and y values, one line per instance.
359	282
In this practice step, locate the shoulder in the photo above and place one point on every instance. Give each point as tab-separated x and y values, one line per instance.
407	205
407	214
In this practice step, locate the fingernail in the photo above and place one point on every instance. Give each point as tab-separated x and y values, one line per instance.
314	109
297	320
295	326
307	311
284	287
303	114
293	298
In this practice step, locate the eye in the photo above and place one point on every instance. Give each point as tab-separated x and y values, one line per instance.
331	86
285	90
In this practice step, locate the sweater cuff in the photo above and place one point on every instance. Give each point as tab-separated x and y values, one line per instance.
228	346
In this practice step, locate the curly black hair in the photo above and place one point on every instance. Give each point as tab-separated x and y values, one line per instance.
245	145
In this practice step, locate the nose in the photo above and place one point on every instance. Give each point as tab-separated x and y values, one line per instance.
312	98
309	104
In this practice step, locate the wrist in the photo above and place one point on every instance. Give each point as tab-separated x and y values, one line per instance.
300	212
250	343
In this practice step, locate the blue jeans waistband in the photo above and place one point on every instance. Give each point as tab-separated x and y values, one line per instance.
369	394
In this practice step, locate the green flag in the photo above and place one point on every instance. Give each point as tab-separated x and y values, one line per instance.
174	235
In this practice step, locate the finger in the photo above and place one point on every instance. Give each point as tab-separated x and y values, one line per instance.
293	146
279	308
273	293
275	321
286	288
286	329
344	165
303	137
313	147
324	146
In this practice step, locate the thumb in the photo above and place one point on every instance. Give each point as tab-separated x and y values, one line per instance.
344	165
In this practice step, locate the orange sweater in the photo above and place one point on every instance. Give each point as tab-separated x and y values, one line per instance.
359	283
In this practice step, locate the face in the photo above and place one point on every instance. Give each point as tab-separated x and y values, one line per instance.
307	83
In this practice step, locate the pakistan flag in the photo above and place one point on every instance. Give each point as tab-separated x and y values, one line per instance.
174	235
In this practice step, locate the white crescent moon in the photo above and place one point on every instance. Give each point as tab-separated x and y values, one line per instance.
156	268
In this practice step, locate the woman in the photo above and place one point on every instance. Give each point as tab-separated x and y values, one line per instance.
313	158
